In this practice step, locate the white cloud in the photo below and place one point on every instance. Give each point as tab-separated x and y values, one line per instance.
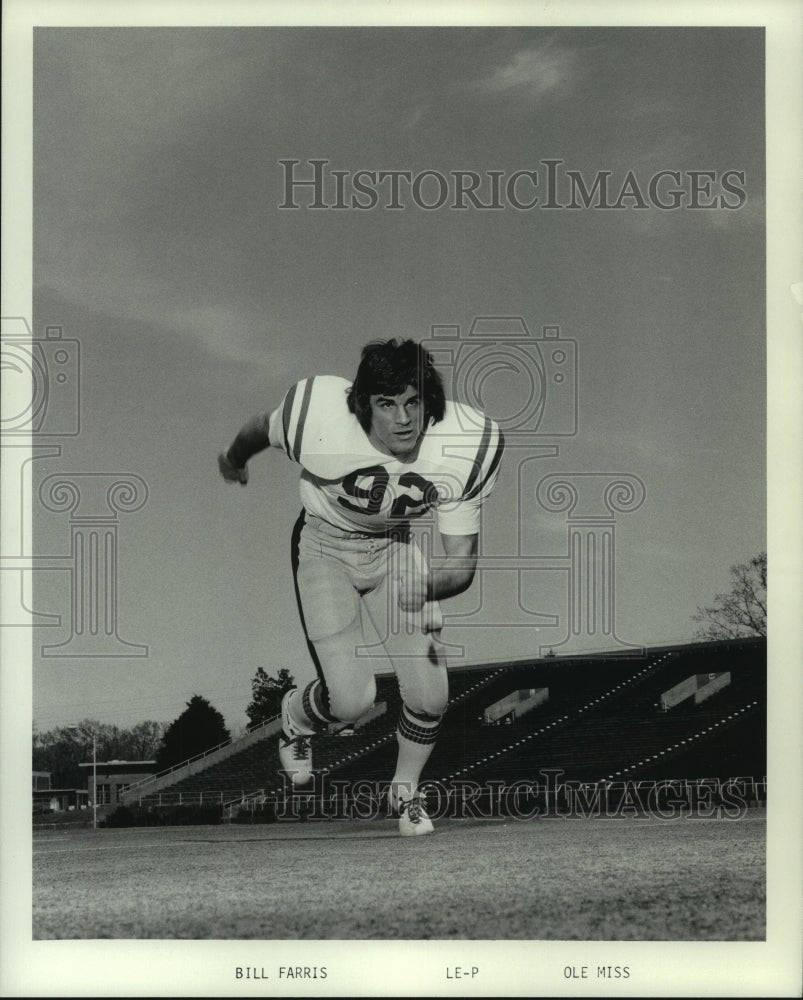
535	73
750	215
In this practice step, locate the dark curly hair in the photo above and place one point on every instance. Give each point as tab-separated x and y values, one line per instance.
387	368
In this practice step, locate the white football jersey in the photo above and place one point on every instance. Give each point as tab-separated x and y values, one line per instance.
348	482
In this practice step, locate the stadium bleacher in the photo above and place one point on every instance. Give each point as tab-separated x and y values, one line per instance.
602	721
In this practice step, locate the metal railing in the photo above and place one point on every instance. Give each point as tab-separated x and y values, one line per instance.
152	779
193	798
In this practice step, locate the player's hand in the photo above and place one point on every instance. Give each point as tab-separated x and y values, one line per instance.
413	591
232	473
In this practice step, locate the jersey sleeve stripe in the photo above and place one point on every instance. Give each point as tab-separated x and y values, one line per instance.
479	460
500	447
287	410
299	433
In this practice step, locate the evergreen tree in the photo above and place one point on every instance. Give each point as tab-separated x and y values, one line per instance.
267	694
199	728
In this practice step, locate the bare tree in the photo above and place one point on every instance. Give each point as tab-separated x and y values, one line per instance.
61	750
742	611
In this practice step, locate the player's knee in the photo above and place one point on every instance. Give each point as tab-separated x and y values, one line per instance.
433	706
349	705
429	704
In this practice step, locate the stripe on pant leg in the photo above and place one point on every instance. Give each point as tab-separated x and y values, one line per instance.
322	699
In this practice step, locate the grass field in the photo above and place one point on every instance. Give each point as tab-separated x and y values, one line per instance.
634	879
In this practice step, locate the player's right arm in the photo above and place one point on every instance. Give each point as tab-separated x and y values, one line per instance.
253	437
311	425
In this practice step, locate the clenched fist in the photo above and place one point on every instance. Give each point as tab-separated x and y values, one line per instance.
232	473
413	591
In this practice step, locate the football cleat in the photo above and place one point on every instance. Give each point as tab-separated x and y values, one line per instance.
295	746
413	819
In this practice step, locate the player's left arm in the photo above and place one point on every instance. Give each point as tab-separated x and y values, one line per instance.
459	526
453	573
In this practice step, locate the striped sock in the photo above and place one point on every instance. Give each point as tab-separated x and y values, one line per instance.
315	705
416	734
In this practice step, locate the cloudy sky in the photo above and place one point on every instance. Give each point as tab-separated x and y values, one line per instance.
160	246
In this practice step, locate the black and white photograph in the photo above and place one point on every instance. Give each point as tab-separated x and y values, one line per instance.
401	549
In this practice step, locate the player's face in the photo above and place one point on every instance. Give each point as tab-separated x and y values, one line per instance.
397	422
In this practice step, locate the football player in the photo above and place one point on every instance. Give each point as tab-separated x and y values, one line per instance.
376	455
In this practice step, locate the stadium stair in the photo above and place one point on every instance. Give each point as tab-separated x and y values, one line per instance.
602	718
624	724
